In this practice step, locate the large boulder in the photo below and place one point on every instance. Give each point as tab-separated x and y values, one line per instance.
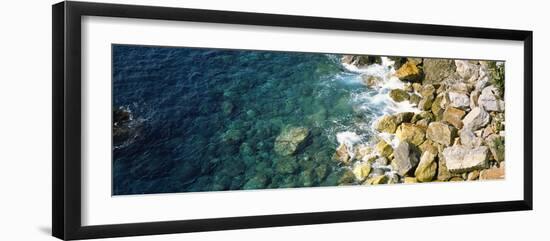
291	140
412	133
489	100
459	99
437	70
387	124
441	133
403	117
468	70
361	171
476	119
439	105
469	139
405	158
454	116
427	168
384	149
399	95
460	159
409	71
426	102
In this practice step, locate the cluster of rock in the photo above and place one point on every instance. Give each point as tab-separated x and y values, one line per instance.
457	134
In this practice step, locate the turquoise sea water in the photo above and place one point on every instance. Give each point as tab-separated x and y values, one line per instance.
207	119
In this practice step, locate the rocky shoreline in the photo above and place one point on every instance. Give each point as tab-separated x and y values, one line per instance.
457	134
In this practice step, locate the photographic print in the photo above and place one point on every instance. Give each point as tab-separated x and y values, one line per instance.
202	119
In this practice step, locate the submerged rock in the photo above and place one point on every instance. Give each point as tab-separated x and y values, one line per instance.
476	119
405	158
291	140
441	133
460	159
257	182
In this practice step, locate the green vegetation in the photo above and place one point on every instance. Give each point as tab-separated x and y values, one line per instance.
497	75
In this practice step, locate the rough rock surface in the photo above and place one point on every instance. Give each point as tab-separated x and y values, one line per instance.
361	171
405	158
459	99
427	168
454	116
441	133
489	100
469	139
476	119
437	70
409	72
411	133
460	159
387	124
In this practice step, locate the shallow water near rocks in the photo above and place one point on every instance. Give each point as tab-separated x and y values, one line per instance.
208	118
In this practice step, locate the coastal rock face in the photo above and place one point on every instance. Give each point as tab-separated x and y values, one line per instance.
399	95
476	119
387	124
361	60
454	116
459	100
405	158
427	167
489	101
437	70
291	140
460	159
409	71
441	133
412	133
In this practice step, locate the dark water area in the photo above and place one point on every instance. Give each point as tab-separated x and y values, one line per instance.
207	119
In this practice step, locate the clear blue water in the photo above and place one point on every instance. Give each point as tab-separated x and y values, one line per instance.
185	100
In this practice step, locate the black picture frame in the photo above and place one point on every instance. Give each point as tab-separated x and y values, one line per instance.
67	136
